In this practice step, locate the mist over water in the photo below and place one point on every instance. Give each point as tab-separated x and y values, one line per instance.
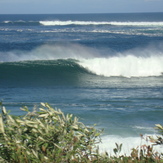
50	52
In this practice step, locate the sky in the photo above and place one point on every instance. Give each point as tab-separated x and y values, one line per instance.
79	6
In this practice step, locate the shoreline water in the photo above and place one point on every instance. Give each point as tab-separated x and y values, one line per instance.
128	143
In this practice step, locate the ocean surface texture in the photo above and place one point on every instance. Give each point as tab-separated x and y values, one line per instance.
107	69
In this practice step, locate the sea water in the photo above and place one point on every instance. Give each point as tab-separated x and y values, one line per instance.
106	69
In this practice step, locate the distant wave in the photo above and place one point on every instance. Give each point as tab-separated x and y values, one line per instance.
84	23
70	22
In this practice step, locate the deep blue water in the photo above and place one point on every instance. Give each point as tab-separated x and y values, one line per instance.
104	68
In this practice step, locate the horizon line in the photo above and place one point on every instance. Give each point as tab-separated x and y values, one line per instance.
80	13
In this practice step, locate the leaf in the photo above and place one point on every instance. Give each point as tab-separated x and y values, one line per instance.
97	134
40	123
159	126
43	110
46	158
34	153
116	145
43	115
4	110
75	127
1	125
11	119
115	150
20	121
120	147
25	108
57	146
43	104
41	138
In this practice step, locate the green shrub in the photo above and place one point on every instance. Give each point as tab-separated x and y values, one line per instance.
46	135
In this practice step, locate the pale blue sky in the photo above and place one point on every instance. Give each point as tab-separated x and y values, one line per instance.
79	6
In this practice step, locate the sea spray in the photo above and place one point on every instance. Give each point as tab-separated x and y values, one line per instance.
50	52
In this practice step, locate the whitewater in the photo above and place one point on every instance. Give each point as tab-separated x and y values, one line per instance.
106	69
69	22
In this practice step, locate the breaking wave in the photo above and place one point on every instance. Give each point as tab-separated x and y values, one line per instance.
134	63
70	22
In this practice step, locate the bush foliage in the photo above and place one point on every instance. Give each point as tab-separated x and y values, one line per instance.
47	135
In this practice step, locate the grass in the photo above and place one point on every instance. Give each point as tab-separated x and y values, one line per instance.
47	135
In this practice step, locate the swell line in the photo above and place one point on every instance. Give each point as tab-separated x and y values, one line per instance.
82	23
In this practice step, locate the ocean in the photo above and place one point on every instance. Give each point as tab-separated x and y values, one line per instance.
106	69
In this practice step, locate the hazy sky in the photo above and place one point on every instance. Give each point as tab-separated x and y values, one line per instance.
79	6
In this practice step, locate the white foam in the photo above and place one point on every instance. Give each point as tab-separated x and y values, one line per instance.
70	22
7	21
127	66
137	23
128	143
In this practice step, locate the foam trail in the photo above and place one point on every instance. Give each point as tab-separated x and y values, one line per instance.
127	66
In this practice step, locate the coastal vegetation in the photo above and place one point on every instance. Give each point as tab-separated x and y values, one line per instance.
47	135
